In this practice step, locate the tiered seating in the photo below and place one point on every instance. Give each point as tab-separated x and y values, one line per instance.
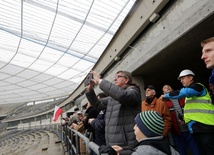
5	109
3	126
53	141
28	110
9	144
33	142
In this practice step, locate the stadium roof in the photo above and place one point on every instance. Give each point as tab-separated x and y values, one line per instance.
47	47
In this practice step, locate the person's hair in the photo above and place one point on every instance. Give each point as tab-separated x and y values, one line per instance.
69	113
127	75
76	109
168	85
206	41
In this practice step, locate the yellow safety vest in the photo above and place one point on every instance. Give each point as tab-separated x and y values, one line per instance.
199	109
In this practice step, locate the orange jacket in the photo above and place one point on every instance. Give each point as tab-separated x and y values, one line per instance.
159	106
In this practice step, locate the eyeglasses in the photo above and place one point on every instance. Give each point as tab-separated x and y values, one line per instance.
118	76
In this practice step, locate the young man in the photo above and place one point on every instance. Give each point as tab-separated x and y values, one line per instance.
122	105
148	131
198	110
208	55
208	52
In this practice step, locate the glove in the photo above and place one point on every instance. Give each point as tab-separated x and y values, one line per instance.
189	125
107	149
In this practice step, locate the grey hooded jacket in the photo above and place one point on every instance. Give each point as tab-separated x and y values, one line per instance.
122	105
154	146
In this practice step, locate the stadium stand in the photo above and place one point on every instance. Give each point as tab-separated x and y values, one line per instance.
30	142
3	126
6	109
28	110
167	35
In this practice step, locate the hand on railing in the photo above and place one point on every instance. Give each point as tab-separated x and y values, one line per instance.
90	120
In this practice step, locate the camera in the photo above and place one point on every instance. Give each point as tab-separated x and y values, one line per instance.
88	79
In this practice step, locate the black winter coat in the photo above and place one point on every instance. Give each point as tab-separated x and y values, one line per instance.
99	125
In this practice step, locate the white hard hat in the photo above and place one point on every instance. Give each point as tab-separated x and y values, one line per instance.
185	72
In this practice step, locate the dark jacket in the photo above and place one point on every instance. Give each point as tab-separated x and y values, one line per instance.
91	112
99	125
122	106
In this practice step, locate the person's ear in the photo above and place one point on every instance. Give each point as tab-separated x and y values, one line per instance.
127	80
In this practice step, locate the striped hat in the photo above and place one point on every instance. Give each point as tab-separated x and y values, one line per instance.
150	123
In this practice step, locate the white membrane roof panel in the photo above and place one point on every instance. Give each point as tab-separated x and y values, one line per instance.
47	47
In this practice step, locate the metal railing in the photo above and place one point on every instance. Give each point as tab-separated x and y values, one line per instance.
72	140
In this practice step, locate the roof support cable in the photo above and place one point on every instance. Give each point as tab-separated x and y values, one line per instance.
106	30
48	36
20	40
73	41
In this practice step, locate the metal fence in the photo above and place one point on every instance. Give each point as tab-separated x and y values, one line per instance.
73	139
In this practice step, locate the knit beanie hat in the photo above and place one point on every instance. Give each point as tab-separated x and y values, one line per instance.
150	123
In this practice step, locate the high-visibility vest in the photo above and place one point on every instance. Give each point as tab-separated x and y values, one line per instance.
199	109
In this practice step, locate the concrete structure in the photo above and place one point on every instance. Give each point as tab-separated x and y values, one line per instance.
157	40
164	48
